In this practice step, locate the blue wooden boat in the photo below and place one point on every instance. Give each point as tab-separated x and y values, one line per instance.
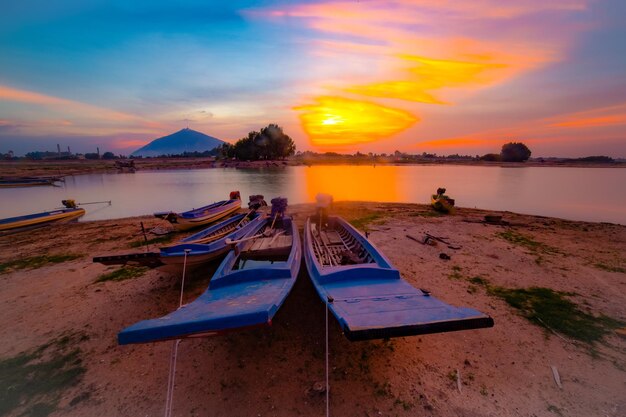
247	289
365	292
203	215
203	247
208	244
29	221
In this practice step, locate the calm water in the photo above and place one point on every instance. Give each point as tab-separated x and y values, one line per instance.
592	194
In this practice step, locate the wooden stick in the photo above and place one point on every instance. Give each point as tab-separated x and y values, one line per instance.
415	239
280	232
234	242
245	217
273	221
556	376
95	202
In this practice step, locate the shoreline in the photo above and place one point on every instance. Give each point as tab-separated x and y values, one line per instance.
79	167
505	370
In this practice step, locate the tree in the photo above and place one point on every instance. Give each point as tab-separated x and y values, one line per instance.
514	152
92	155
108	155
270	143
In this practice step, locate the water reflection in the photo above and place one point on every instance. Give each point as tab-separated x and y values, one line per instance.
355	183
593	194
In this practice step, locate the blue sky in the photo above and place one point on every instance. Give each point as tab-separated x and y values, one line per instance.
421	75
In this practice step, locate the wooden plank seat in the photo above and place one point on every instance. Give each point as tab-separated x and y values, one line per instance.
268	247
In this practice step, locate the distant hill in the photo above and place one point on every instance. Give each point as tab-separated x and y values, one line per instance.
185	140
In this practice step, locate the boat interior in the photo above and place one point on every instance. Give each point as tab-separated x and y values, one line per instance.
333	245
270	245
235	223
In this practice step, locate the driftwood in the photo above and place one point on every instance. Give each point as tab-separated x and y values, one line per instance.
417	240
443	240
431	240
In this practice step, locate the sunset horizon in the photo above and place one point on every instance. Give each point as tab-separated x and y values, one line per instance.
338	76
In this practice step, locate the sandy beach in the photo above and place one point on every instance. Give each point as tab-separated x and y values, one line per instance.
59	353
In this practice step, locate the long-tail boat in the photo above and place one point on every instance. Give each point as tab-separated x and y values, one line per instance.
366	294
202	216
248	288
29	221
28	181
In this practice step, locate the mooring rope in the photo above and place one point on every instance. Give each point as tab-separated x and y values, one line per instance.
170	382
327	366
169	396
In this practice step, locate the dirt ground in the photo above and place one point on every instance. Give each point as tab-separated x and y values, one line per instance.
506	370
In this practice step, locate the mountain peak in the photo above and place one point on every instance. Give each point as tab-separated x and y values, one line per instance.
185	140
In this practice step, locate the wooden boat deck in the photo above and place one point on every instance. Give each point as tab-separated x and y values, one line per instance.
275	246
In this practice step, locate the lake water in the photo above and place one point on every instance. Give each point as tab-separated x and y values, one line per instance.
591	194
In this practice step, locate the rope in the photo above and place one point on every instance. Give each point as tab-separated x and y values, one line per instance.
170	383
182	284
327	366
169	396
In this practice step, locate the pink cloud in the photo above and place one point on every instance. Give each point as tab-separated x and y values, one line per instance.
76	117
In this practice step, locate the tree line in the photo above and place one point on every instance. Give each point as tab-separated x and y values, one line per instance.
510	152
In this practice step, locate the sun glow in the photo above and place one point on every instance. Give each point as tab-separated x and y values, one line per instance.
337	121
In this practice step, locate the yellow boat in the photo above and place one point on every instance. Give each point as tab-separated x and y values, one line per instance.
442	202
13	224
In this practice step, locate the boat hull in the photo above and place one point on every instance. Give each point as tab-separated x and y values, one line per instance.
202	216
238	297
371	301
40	219
28	181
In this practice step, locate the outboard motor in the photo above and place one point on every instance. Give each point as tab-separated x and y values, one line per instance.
279	207
69	203
256	201
323	205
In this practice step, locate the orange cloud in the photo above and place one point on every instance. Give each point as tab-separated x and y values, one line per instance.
417	51
542	132
429	75
606	116
335	121
456	142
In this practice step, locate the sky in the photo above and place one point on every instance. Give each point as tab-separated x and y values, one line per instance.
440	76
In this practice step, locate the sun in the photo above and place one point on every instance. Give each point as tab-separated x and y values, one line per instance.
338	121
